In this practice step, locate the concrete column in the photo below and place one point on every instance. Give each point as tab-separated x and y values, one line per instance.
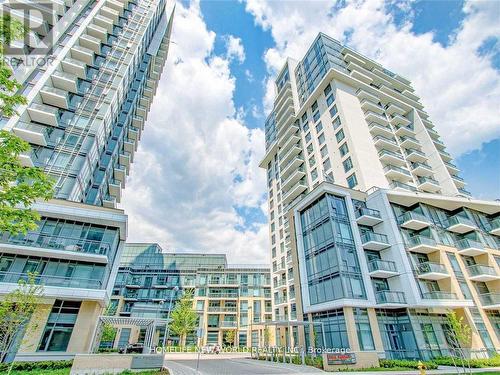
377	337
81	338
351	329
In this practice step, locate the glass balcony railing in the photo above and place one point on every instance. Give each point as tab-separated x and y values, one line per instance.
438	294
385	139
48	280
416	165
221	309
489	299
390	168
362	211
223	295
480	269
412	215
424	179
410	151
421	240
467	243
389	296
375	237
45	241
460	220
396	155
381	265
494	225
229	324
401	185
429	267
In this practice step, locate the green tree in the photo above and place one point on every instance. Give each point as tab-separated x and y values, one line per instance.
267	336
108	330
10	30
184	317
16	309
230	336
20	187
459	335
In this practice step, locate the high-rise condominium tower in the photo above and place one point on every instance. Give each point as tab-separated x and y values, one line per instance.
88	94
373	237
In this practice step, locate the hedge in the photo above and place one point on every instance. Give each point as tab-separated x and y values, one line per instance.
31	366
405	363
474	363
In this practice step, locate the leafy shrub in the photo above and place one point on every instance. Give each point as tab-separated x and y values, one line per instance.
405	363
33	366
474	363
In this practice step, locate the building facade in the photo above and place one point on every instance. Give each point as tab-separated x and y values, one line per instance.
346	136
226	298
85	112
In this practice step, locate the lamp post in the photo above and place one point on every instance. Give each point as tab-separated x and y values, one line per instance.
160	304
167	330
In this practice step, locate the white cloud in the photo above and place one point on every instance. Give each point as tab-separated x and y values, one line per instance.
459	88
249	75
197	160
234	48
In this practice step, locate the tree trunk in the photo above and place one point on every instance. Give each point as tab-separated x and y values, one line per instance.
182	339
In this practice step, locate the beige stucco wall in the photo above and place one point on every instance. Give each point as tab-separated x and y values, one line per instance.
81	338
35	328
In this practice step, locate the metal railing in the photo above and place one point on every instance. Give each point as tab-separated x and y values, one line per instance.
49	280
489	299
72	244
382	265
390	296
368	212
221	309
421	240
377	237
428	267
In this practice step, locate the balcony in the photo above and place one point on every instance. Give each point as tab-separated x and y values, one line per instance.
382	130
229	324
125	158
391	157
470	247
357	74
398	120
413	220
32	133
293	178
223	295
291	141
90	42
288	132
82	54
115	188
460	224
452	168
291	166
374	241
445	155
389	297
464	193
97	32
44	114
459	181
409	142
393	109
396	185
428	184
222	309
349	57
371	116
129	145
48	280
434	134
480	272
439	144
382	268
490	300
54	97
294	192
438	294
368	216
415	155
281	284
286	157
133	133
368	105
422	244
421	169
402	131
363	94
431	271
108	201
397	173
120	172
65	81
494	227
386	143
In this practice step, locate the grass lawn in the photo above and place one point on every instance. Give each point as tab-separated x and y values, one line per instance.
65	371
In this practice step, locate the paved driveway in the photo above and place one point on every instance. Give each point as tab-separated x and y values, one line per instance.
236	367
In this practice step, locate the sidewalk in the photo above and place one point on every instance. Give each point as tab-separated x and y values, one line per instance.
441	371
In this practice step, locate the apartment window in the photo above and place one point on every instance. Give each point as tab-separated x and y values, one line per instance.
321	139
273	239
273	252
363	329
316	116
333	111
336	123
272	215
305	127
330	100
324	151
343	150
314	106
59	326
328	89
272	227
308	137
347	164
314	174
304	117
327	164
319	127
352	180
310	148
312	162
340	135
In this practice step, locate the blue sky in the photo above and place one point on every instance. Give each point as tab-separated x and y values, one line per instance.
196	185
